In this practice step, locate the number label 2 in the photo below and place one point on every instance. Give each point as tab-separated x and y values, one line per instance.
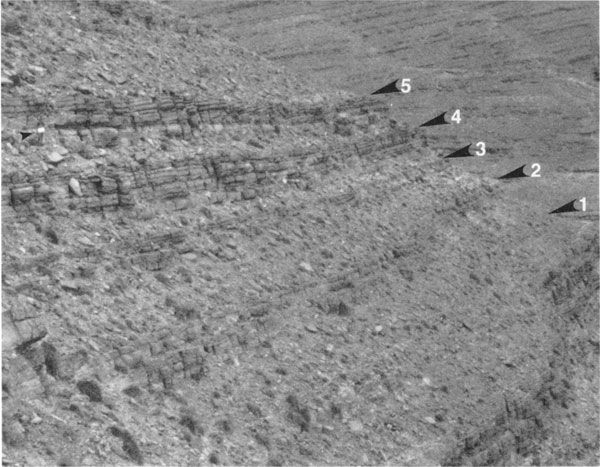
536	170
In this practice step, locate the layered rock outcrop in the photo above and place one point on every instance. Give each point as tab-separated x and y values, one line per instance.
111	183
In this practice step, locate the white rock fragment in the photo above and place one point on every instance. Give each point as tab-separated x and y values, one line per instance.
85	241
6	81
38	70
75	187
84	89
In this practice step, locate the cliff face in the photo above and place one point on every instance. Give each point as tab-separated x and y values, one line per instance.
208	259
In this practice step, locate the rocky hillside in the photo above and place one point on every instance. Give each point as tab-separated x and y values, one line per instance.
211	259
525	75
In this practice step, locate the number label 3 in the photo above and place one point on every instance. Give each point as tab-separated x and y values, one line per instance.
481	146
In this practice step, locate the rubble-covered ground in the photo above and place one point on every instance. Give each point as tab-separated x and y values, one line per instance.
213	257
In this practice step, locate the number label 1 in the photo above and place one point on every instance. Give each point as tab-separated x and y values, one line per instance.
456	116
582	201
405	86
536	170
481	146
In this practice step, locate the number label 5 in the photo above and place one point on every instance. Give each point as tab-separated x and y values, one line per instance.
404	87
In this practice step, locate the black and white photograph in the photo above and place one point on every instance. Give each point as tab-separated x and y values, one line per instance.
300	233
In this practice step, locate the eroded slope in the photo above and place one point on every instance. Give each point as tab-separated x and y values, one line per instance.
260	282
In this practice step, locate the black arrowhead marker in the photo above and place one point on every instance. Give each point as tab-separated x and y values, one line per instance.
25	134
569	207
388	88
462	152
517	173
439	120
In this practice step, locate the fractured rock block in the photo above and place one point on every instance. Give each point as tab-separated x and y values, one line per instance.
118	121
99	203
105	137
20	378
22	195
146	118
174	130
22	325
108	186
249	193
99	119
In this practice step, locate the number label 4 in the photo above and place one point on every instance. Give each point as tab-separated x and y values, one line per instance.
456	116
